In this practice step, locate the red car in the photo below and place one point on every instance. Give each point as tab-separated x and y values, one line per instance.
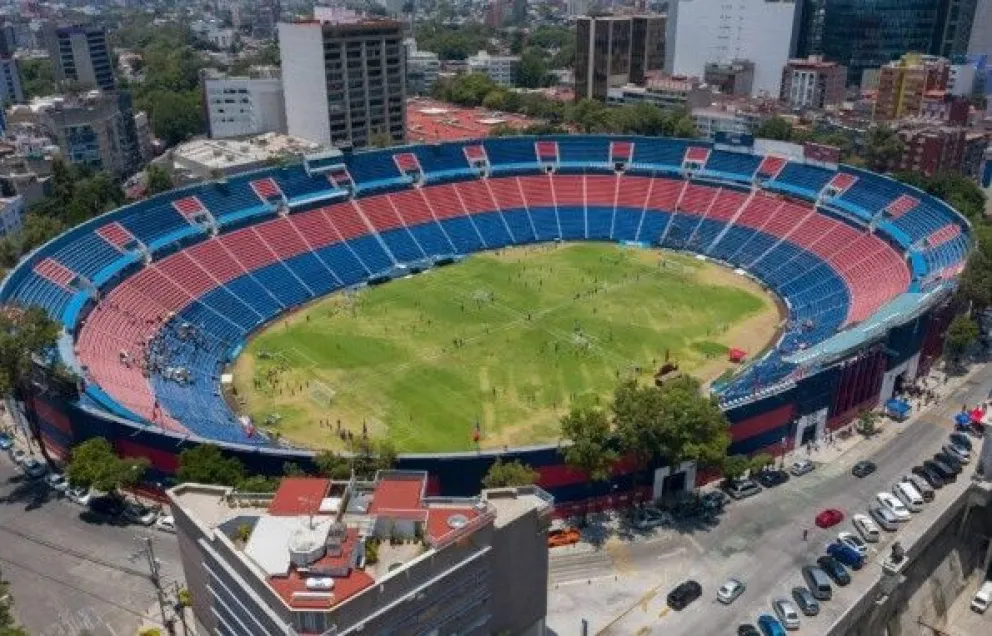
829	517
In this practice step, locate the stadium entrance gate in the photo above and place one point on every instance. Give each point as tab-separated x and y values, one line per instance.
897	376
811	427
667	481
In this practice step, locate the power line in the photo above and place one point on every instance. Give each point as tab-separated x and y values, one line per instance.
63	549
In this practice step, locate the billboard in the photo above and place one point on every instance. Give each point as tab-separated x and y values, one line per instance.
821	153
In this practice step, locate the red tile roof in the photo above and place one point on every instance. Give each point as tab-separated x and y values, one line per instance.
437	520
344	587
398	494
299	496
429	120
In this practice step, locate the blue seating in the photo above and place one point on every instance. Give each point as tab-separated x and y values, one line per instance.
808	180
443	158
511	154
153	219
309	269
545	223
493	229
921	221
371	167
343	262
38	290
250	292
573	222
735	163
653	225
584	151
952	252
625	224
432	239
87	254
226	304
676	236
282	284
659	152
368	250
402	245
463	234
519	222
233	197
600	223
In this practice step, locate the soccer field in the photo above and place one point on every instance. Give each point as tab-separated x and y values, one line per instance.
506	341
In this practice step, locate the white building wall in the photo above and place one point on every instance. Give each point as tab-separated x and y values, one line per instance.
11	215
244	106
701	31
301	50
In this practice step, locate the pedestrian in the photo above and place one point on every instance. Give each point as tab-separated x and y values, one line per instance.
805	534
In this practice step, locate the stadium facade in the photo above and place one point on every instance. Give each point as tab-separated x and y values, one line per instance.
158	296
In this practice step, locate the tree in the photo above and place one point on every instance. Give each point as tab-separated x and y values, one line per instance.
532	70
94	464
883	147
8	626
258	483
38	77
976	280
515	473
159	180
776	128
735	466
867	423
24	334
961	334
332	465
207	464
370	456
590	446
761	461
175	116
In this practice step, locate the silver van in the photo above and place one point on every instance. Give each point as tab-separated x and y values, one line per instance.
817	582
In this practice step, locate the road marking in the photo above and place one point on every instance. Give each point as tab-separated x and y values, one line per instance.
664	612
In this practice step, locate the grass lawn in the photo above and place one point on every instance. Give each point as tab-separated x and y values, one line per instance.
507	339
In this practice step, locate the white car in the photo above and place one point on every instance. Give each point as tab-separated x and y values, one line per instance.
34	469
729	591
891	503
141	514
18	455
868	529
79	495
57	482
787	613
321	583
983	597
165	523
801	467
854	542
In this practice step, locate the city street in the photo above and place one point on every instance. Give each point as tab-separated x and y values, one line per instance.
758	540
70	572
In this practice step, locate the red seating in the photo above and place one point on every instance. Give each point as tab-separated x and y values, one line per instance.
475	195
443	201
55	272
601	190
247	248
115	234
189	207
407	162
340	177
507	193
537	191
475	153
569	190
943	235
771	166
412	207
758	210
344	218
632	192
842	181
183	271
727	203
902	204
379	212
546	150
282	238
697	154
621	150
315	228
212	257
665	194
266	189
696	199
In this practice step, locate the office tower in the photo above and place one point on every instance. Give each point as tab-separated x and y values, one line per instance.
11	90
343	78
903	85
82	56
357	557
615	50
501	69
422	68
761	31
867	34
813	83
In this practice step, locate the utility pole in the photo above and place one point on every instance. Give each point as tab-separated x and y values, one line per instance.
181	609
148	549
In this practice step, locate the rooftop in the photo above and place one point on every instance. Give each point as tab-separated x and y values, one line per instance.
229	153
430	120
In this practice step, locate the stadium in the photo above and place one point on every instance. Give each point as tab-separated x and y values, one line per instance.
164	300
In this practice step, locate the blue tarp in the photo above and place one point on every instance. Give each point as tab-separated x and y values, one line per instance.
898	408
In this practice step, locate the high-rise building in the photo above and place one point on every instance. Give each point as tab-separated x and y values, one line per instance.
613	51
730	78
501	69
762	31
980	42
11	89
240	106
903	85
82	56
344	80
377	557
813	83
422	68
866	34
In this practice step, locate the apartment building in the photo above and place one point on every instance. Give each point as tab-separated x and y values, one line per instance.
343	558
813	83
246	105
81	55
501	69
903	85
614	51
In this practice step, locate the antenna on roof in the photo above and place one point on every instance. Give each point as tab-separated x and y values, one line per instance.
305	501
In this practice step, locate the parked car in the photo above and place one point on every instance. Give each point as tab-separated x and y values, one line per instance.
714	500
142	515
942	469
319	583
772	478
165	523
961	440
18	455
866	527
57	482
929	475
892	503
854	542
730	590
983	597
802	466
950	461
921	486
6	441
770	626
863	468
649	519
747	629
817	582
684	594
79	495
834	570
742	488
829	517
885	518
33	468
787	613
959	453
847	555
109	506
907	493
564	536
807	603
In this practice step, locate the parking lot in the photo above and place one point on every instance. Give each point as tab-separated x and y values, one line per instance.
71	571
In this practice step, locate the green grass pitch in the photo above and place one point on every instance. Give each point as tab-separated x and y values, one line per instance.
508	340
